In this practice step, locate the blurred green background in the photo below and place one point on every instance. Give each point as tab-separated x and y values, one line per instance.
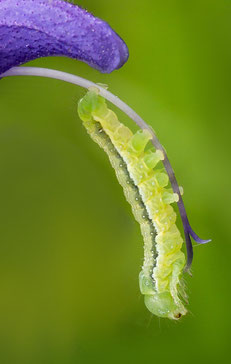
70	250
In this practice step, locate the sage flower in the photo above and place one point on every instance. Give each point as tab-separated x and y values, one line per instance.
31	29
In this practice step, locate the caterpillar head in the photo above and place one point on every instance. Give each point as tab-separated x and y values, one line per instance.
163	305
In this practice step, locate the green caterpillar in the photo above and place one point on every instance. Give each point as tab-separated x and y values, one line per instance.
146	189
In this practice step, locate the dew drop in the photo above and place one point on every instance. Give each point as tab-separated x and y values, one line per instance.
181	190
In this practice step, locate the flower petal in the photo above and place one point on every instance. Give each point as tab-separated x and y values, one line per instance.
31	29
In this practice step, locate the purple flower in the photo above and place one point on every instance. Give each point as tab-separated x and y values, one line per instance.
31	29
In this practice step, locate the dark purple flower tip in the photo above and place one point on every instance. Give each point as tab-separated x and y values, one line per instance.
31	29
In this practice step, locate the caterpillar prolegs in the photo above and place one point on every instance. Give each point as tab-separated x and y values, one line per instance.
146	189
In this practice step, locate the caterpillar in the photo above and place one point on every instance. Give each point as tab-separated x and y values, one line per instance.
146	189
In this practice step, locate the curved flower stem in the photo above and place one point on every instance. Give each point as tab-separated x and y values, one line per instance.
76	80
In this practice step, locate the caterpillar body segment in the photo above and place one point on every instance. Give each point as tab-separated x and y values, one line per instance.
145	188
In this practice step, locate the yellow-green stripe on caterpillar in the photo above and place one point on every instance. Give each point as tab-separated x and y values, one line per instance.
145	188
